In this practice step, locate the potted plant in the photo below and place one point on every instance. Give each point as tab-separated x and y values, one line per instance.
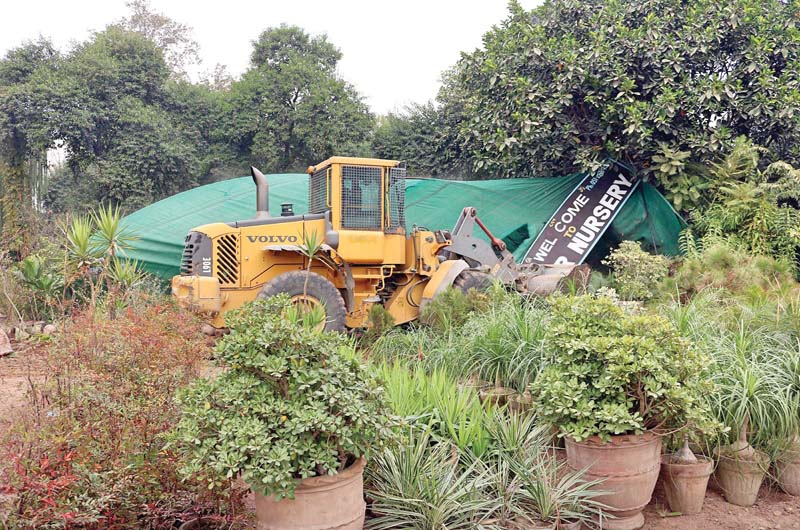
787	461
787	467
685	478
754	401
294	414
612	382
741	469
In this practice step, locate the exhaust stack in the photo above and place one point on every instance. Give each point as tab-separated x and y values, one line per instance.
262	193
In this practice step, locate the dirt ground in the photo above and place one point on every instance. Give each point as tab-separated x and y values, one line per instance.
774	510
17	372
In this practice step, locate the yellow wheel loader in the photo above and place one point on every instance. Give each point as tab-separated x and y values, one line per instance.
365	253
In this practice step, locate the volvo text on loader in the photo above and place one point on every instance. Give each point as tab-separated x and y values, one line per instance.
367	254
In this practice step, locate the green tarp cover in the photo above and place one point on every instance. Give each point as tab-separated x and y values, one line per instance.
514	209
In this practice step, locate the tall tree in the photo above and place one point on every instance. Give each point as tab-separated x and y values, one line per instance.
291	108
664	84
125	132
24	134
173	38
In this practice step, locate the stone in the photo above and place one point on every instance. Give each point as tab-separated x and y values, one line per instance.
5	344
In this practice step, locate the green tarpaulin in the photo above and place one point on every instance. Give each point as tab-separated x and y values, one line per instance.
514	209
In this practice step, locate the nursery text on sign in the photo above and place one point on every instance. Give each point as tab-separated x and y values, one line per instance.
583	218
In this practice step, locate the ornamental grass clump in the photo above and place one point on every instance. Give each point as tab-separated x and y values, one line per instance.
611	373
293	403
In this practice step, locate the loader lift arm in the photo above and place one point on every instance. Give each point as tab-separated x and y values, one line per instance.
494	259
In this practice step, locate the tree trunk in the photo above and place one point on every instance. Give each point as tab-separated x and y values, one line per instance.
14	199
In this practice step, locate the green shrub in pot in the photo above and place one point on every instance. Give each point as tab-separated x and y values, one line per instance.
613	382
611	373
293	403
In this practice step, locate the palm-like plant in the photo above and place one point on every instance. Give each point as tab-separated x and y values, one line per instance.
420	486
95	246
110	237
751	386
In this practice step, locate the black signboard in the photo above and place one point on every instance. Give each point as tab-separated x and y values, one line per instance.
584	216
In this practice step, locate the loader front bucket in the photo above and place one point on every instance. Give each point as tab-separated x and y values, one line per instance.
559	278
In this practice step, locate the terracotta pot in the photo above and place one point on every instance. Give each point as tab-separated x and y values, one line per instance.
741	479
496	395
628	466
476	384
685	484
572	525
519	402
330	502
787	471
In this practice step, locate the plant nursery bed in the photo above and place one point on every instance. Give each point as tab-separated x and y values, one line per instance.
774	509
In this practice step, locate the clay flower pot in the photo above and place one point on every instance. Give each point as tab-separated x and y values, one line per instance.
520	402
476	384
628	466
685	483
741	469
787	471
320	503
740	478
496	395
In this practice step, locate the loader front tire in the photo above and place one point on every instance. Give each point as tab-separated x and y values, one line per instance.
317	291
469	279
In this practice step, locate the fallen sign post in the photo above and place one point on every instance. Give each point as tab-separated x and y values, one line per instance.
584	216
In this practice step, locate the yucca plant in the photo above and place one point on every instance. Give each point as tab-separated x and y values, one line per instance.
420	486
110	237
95	249
462	420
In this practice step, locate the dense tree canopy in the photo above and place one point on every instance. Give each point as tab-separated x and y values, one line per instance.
291	108
135	130
667	85
664	84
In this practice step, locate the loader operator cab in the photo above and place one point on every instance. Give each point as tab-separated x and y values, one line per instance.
361	194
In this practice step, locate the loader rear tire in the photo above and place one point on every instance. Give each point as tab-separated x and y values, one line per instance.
469	279
318	290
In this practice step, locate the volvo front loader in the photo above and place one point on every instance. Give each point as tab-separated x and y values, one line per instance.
367	255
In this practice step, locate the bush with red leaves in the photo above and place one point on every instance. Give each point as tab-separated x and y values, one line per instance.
90	451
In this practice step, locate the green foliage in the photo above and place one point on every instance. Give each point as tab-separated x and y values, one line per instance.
636	273
424	136
506	343
420	487
494	463
291	107
45	284
611	373
87	450
751	209
452	307
293	403
436	401
718	266
379	323
665	84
